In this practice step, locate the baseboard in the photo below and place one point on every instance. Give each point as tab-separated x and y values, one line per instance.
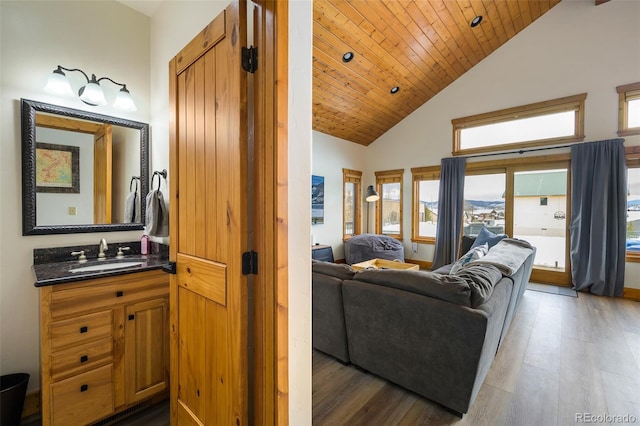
422	263
31	404
631	293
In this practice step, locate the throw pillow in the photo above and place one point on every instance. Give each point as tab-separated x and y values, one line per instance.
473	254
487	237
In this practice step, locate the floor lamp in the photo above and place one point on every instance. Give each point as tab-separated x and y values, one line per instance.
371	197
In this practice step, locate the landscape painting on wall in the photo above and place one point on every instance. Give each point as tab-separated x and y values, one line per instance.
57	168
317	200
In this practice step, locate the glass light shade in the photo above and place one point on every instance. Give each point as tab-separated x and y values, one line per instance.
372	195
92	94
58	84
124	101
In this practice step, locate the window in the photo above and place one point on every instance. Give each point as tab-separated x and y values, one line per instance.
351	202
544	201
389	208
633	211
484	203
426	187
544	123
629	109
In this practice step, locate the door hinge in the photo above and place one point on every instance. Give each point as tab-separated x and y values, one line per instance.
169	268
249	263
250	59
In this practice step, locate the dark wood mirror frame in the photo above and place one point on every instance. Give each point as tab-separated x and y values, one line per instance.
29	109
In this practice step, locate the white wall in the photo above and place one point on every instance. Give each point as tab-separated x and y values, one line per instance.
35	37
574	48
330	156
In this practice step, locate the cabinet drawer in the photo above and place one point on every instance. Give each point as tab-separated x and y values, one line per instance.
84	398
78	359
90	295
80	329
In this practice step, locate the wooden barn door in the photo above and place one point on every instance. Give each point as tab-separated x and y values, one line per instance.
209	225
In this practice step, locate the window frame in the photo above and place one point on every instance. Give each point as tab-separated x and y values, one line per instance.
355	177
632	161
626	93
419	174
574	103
384	177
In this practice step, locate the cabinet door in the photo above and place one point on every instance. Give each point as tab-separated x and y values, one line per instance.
146	349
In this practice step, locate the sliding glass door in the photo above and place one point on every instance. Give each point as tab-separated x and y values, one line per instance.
529	202
540	215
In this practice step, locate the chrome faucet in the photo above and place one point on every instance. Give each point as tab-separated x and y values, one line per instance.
103	246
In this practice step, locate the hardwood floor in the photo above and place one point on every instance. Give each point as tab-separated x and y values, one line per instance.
563	357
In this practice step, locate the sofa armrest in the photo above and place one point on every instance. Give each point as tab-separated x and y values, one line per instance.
327	314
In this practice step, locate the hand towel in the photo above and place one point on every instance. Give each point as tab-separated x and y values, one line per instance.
157	215
130	207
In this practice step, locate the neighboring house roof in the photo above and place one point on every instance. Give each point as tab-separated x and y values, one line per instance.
540	184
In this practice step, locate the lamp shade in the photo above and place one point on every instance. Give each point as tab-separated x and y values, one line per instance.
92	94
124	101
372	194
58	84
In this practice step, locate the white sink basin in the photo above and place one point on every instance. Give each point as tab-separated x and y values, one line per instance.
105	266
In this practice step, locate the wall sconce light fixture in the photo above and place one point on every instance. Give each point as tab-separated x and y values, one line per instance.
92	93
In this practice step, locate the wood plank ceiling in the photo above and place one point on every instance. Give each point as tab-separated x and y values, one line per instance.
420	46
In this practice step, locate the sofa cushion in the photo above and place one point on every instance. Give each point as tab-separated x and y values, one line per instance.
337	270
481	280
465	244
450	288
488	237
473	254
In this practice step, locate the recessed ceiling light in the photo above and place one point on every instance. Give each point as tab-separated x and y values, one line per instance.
347	57
476	21
394	90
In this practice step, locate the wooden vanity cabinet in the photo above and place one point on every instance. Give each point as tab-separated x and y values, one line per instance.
104	346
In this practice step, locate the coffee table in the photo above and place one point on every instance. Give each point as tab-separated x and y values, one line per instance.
384	264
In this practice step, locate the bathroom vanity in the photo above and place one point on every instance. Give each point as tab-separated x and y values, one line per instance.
104	338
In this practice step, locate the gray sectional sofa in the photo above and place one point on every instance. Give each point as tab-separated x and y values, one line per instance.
432	333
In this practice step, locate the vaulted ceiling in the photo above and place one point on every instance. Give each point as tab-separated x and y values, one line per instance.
418	46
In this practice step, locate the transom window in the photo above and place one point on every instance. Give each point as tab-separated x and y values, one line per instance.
389	208
351	202
629	109
543	123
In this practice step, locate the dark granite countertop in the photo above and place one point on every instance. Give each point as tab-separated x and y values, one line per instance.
53	265
59	272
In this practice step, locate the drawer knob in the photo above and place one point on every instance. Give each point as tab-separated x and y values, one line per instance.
84	388
119	293
84	358
84	329
132	317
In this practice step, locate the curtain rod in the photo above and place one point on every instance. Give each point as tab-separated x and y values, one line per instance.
522	151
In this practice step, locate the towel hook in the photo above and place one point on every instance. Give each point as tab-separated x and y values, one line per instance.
136	179
162	173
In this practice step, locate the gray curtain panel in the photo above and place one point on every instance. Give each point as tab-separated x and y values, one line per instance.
598	216
450	209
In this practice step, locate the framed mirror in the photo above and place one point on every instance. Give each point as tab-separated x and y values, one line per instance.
82	171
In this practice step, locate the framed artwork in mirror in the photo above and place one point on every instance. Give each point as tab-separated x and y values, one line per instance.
57	168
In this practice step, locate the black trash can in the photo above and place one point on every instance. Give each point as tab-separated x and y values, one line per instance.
13	388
